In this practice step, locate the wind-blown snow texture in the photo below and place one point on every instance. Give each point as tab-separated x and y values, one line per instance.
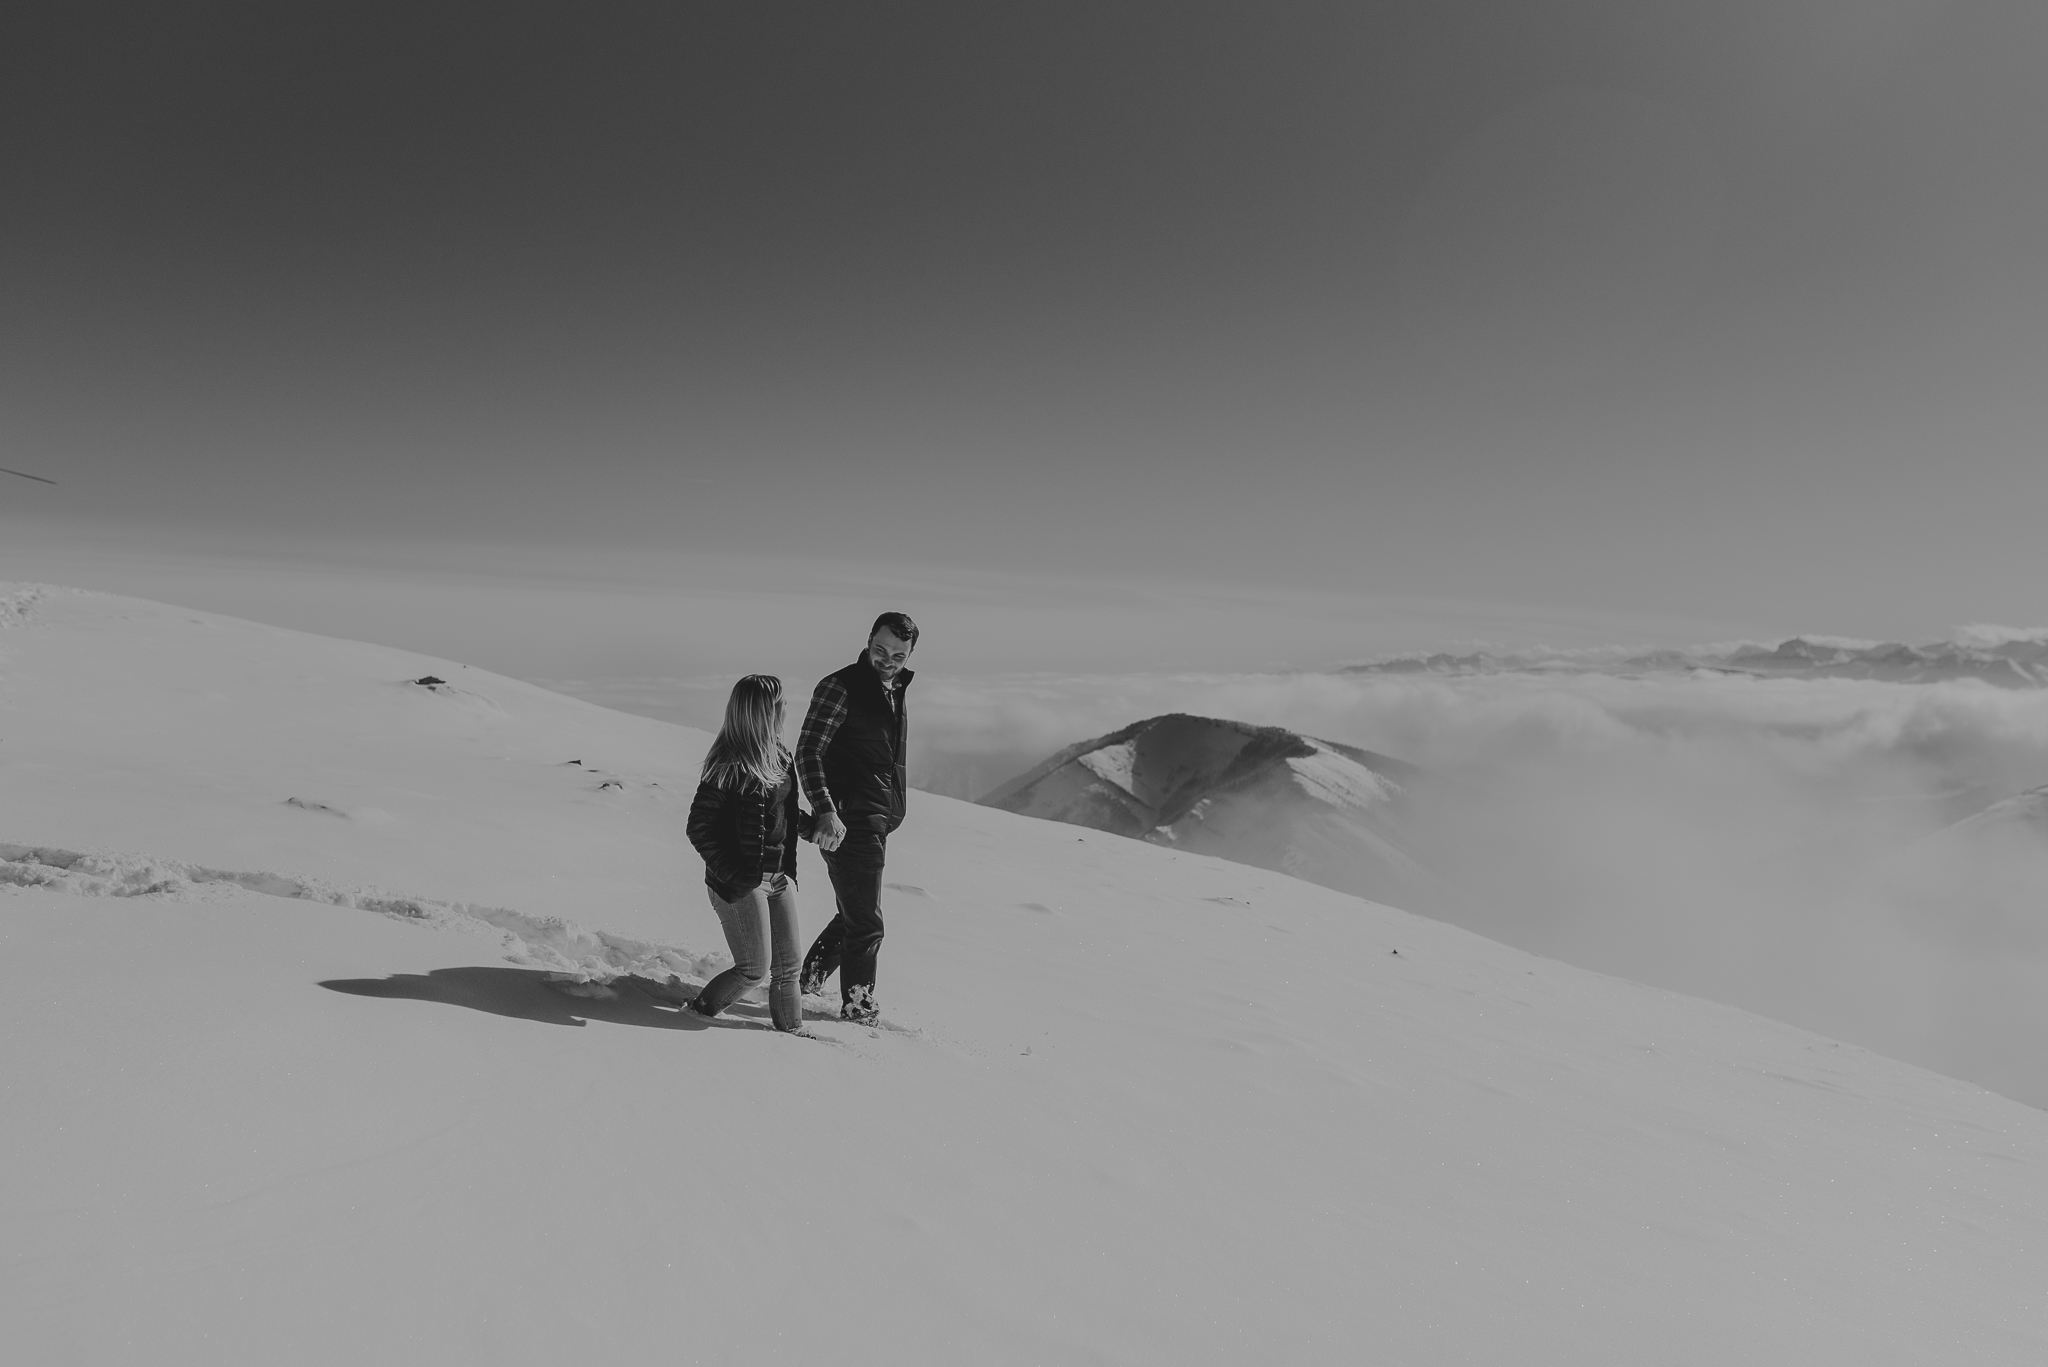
1136	1105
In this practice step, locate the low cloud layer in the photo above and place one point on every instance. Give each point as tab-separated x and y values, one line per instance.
1769	843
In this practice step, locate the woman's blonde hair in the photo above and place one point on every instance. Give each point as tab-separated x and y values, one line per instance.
748	749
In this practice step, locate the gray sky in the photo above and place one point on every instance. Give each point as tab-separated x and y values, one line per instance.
1616	314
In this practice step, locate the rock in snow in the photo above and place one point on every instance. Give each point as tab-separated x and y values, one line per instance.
293	1090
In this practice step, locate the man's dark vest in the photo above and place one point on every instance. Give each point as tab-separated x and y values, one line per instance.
864	767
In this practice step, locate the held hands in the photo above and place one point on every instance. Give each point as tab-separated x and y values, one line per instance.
831	830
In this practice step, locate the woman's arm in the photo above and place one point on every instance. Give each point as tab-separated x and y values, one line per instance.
799	825
804	823
721	827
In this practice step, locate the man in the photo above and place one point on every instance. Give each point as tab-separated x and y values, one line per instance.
849	758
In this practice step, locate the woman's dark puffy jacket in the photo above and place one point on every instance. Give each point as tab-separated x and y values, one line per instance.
744	834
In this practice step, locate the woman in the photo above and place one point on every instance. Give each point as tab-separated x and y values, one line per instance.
745	822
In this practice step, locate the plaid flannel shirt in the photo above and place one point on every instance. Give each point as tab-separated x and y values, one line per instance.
821	723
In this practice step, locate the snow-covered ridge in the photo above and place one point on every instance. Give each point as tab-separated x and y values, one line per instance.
2008	657
1259	795
1156	770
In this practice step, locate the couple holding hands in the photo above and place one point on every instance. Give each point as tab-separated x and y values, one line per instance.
745	822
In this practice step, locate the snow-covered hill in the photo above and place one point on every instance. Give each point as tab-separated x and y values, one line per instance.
287	1082
1261	795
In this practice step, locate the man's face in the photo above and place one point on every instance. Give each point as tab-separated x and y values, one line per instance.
887	652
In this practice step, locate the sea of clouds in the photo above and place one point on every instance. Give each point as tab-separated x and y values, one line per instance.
1771	843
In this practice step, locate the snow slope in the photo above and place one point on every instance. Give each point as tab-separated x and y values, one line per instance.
275	1092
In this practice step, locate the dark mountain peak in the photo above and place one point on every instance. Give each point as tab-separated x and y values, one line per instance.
1260	795
1149	773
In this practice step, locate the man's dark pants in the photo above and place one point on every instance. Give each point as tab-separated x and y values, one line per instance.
853	937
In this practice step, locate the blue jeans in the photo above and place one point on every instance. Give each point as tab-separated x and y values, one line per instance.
760	930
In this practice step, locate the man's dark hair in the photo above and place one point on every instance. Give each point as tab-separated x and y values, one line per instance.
899	625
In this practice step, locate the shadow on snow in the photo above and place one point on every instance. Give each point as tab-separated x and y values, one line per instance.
528	994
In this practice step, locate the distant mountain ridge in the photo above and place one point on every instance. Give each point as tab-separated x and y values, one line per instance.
2023	815
2021	662
1262	795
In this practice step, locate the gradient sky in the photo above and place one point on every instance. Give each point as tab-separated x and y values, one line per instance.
1624	314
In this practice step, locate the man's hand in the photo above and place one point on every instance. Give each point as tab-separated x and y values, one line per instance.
831	830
